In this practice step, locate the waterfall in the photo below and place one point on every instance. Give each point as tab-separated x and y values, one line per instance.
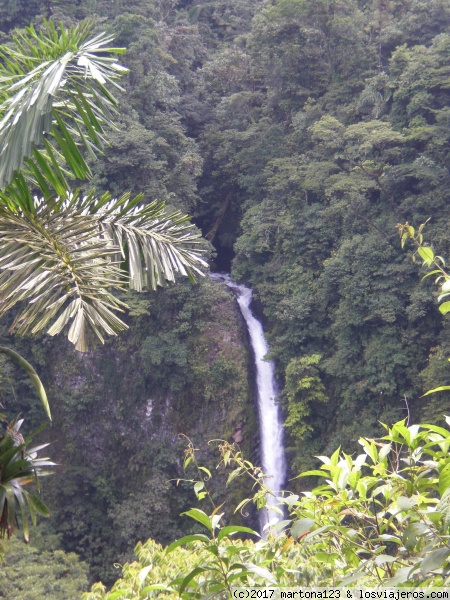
270	424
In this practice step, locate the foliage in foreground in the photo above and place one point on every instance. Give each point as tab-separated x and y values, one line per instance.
60	254
19	466
380	518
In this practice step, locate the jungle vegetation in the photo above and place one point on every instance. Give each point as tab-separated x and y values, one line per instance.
298	134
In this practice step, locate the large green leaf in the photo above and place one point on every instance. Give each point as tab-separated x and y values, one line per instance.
443	388
232	529
200	516
198	537
301	527
444	479
434	560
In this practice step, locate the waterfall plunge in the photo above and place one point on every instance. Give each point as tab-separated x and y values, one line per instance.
270	425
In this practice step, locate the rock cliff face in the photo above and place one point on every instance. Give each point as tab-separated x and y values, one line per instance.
122	414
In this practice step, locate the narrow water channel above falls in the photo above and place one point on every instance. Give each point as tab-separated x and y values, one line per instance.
269	414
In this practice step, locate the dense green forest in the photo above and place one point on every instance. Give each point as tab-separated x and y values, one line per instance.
298	134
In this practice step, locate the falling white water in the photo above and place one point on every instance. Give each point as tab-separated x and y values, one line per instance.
270	424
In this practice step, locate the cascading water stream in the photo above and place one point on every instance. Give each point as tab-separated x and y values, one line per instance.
270	423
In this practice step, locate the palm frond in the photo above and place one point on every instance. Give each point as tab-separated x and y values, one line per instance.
62	262
55	91
157	245
61	271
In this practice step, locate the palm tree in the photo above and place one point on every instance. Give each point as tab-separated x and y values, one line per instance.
19	467
62	255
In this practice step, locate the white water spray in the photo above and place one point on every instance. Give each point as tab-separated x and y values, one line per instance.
270	424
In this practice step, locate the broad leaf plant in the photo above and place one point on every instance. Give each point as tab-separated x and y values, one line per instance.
380	518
